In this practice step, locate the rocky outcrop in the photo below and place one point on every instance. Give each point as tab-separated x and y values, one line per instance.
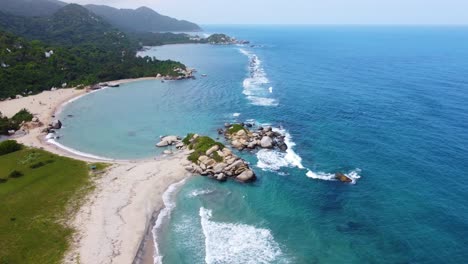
56	124
169	141
342	177
242	138
217	161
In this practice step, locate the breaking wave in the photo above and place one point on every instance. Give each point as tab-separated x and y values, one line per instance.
274	160
237	243
256	86
353	175
164	214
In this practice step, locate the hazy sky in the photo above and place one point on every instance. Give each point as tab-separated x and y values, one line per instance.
304	11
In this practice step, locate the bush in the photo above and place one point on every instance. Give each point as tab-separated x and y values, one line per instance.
217	157
15	174
3	180
187	139
22	115
9	146
37	165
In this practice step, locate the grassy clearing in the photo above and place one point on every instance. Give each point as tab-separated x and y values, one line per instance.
200	145
39	191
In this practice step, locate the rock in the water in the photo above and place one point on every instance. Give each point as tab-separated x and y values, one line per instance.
221	177
343	178
212	149
168	140
282	146
268	129
266	142
167	152
180	145
227	125
56	124
246	176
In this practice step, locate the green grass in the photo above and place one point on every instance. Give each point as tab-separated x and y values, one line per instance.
200	145
35	206
236	128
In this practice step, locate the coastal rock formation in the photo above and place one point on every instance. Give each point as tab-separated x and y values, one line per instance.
342	178
242	138
213	159
168	141
56	124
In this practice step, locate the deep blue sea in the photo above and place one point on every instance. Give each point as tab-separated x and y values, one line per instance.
386	105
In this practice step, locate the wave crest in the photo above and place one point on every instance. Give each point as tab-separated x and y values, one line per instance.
237	243
256	85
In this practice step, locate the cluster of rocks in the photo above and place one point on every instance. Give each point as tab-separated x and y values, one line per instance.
56	124
242	138
182	74
170	141
220	164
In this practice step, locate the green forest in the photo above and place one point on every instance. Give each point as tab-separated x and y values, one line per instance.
69	48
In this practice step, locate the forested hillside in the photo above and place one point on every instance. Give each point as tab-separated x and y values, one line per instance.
73	46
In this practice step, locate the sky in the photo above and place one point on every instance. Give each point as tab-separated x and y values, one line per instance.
304	11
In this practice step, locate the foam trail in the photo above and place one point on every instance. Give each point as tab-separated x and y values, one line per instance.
51	140
236	114
255	86
275	160
237	243
164	214
353	175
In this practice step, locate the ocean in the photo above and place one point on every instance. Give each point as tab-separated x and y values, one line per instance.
385	105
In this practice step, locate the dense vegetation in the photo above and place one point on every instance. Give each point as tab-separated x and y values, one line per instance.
38	190
200	145
14	123
31	8
9	146
85	50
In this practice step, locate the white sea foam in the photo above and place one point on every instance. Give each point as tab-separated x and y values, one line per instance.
274	160
164	215
255	86
237	243
353	175
199	192
52	141
236	114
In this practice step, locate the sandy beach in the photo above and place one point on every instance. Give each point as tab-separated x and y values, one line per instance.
115	218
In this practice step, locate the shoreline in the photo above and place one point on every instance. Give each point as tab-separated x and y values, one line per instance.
113	223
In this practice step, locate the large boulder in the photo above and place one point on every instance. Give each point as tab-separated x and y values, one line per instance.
237	144
218	168
246	176
342	178
56	124
167	141
234	166
266	142
221	177
212	149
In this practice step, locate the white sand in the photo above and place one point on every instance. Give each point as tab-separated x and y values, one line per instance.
113	221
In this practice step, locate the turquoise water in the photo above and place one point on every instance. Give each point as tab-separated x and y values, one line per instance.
386	104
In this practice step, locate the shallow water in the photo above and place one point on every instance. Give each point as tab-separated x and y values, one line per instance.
386	104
